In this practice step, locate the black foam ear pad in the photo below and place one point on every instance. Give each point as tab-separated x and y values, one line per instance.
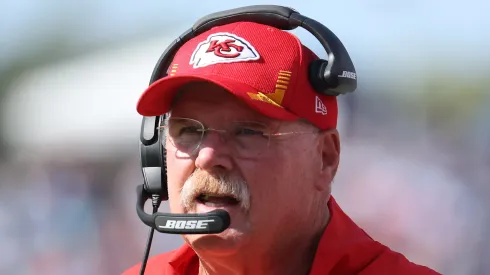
163	152
321	83
164	179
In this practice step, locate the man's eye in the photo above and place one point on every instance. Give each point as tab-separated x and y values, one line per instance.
248	131
190	130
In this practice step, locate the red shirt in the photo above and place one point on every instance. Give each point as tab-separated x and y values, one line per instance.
344	249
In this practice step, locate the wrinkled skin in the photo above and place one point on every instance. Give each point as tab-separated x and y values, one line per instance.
288	188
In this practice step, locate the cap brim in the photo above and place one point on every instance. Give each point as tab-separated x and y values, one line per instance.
157	98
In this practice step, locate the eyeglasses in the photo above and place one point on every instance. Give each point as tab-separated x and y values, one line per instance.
247	139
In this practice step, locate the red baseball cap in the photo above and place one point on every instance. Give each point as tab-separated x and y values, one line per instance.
262	65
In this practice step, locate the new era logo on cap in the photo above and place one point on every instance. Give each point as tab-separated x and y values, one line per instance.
222	48
320	108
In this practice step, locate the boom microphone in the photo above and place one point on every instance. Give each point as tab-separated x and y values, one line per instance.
213	222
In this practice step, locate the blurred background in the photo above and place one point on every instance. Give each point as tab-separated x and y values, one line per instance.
415	135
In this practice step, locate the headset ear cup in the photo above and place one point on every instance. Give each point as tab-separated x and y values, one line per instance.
322	84
163	153
316	75
164	192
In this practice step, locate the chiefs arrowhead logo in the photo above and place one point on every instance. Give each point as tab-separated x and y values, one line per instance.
222	48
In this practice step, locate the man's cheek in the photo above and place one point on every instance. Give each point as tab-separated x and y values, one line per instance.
265	186
177	174
179	170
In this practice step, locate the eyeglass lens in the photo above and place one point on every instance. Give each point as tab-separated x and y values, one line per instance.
247	139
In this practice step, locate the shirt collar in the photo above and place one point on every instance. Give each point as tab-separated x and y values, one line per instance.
344	248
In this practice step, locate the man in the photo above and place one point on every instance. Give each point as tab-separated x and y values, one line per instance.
247	133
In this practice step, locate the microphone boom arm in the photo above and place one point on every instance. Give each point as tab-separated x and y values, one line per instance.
212	222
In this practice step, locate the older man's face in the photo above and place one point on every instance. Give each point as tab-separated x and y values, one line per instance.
270	187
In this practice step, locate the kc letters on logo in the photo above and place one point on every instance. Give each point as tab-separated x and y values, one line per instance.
222	48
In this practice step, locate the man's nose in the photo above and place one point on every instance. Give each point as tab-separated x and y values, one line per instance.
214	153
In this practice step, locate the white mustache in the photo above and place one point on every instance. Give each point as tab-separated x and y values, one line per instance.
221	185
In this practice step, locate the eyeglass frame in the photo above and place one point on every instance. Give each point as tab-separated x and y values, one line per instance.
205	129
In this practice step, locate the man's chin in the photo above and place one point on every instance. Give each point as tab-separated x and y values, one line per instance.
224	243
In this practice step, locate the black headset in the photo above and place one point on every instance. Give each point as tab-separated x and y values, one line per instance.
334	76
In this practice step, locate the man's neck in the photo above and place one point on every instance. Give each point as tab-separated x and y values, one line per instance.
294	258
294	263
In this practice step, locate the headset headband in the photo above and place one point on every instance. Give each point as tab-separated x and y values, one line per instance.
325	76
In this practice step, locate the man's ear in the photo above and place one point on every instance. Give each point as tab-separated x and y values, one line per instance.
330	153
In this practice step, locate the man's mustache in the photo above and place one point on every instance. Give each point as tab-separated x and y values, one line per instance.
222	184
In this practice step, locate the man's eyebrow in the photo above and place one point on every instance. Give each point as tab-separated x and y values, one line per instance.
253	123
260	119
